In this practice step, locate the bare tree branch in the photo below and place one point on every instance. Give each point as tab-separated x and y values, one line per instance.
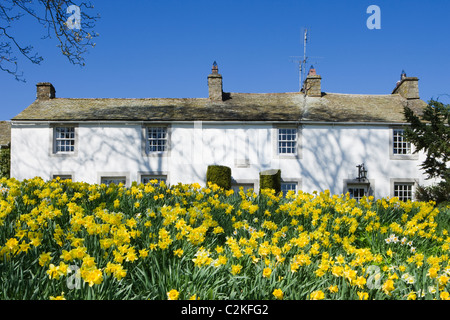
74	40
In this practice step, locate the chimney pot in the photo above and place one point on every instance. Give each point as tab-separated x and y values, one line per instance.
215	68
403	75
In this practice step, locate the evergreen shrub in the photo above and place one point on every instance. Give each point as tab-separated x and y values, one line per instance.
220	175
270	179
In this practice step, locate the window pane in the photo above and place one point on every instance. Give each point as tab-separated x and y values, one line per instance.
157	138
399	144
64	139
245	187
403	191
62	176
287	141
357	191
288	186
115	180
147	178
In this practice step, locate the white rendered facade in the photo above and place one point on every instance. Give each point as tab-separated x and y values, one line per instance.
326	154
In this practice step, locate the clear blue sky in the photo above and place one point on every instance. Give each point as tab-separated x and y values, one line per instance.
165	48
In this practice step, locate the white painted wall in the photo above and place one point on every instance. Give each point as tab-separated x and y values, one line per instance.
328	154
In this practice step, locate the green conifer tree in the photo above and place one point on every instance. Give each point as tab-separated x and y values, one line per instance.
430	133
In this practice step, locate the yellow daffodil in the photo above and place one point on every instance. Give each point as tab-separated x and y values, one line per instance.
333	289
173	294
363	295
44	258
267	272
278	294
317	295
61	297
388	286
236	269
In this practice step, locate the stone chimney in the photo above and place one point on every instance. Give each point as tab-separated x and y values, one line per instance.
215	84
312	86
45	91
407	87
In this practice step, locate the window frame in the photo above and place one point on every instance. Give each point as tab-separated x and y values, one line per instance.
289	183
364	187
113	178
54	175
410	182
246	186
400	156
405	147
152	175
368	185
276	141
113	174
296	181
53	140
146	140
237	183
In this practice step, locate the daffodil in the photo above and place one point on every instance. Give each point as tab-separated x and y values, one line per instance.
236	269
333	289
92	277
53	272
388	286
432	272
267	272
317	295
178	252
12	244
60	297
143	253
411	296
360	282
444	295
173	294
278	294
44	258
363	295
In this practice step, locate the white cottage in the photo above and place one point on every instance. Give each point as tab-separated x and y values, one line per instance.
319	140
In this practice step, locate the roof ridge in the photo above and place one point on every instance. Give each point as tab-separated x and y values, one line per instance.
154	98
363	94
272	93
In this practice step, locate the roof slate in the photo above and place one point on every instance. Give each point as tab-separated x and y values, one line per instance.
293	106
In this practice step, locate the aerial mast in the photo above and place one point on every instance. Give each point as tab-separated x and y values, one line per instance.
303	62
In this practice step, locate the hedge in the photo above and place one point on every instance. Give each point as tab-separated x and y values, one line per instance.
220	175
5	163
270	179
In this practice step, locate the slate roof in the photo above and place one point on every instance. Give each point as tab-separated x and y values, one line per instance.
294	106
